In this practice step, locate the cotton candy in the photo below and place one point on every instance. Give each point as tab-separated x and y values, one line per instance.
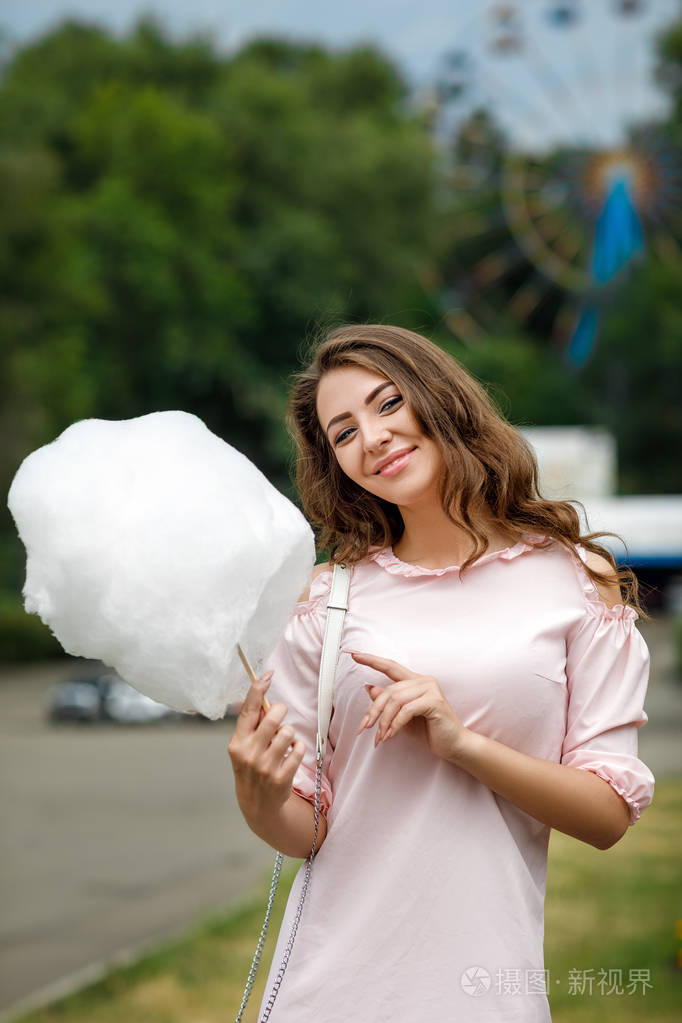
155	547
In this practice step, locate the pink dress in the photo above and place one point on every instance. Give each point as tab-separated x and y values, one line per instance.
427	896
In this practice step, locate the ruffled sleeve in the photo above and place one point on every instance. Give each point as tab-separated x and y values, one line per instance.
296	664
607	670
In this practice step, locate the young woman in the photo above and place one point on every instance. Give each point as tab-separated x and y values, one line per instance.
490	688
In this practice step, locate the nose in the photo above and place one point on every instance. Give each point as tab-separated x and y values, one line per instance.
375	437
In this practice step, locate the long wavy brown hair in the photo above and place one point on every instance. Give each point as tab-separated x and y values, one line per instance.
487	461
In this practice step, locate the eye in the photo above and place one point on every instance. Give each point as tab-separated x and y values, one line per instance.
391	402
342	435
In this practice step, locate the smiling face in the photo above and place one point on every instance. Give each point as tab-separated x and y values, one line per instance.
368	424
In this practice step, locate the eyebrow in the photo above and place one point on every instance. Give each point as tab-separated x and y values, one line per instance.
368	401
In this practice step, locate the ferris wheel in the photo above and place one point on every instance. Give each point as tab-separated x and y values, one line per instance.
563	172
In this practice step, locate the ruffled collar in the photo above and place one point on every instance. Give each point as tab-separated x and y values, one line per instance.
388	560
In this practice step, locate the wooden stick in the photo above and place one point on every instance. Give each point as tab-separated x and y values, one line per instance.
250	672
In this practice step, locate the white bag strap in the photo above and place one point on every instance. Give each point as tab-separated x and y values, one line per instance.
337	605
336	611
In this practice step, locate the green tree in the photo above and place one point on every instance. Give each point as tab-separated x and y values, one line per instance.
176	221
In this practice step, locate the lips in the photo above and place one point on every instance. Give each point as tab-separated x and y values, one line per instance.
383	462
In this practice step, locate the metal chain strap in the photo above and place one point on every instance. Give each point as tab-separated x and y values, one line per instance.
274	884
255	962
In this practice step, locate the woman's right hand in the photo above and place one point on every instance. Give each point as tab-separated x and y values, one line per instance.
263	770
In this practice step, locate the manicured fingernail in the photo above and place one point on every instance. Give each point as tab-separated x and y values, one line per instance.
388	735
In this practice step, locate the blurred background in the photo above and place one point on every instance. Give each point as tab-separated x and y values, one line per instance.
191	193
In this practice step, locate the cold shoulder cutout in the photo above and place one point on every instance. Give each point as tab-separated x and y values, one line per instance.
317	571
593	598
600	564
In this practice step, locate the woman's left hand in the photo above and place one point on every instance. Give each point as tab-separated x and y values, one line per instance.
414	703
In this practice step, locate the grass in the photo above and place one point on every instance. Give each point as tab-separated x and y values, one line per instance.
618	910
614	910
198	978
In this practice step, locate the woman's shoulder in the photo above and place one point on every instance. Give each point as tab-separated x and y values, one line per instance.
317	571
314	597
608	592
603	599
568	567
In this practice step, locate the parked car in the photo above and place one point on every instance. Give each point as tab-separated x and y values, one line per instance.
104	697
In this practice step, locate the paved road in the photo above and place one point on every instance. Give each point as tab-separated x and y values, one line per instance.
112	837
116	837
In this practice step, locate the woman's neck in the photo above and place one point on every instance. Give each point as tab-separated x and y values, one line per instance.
431	540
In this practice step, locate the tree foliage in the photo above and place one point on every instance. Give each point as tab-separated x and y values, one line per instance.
175	221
